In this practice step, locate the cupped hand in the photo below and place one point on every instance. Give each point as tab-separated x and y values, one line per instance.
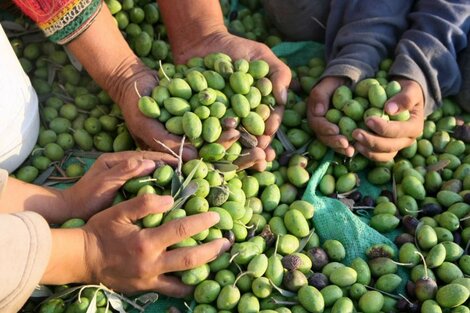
318	104
131	80
129	259
97	188
389	137
280	75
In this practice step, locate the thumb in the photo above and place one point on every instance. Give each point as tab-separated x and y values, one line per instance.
280	76
406	99
133	210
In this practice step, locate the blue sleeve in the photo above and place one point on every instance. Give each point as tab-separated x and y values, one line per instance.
427	51
361	33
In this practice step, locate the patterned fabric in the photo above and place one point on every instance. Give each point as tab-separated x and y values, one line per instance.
61	20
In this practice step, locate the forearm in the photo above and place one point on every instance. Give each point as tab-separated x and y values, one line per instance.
48	202
105	54
427	51
360	34
67	261
188	21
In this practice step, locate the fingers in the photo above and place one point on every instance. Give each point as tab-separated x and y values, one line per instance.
179	229
250	157
322	127
274	120
117	175
380	144
270	154
156	137
171	286
397	129
410	96
376	156
280	76
228	138
319	99
186	258
132	210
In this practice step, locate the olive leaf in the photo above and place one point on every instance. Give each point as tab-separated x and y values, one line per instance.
41	179
115	302
185	194
286	155
283	292
284	140
92	306
225	166
12	26
440	165
147	298
305	240
73	60
41	291
188	179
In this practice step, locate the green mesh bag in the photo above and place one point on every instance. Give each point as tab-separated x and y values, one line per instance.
334	220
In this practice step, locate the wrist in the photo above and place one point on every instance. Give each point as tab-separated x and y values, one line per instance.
125	75
67	263
200	19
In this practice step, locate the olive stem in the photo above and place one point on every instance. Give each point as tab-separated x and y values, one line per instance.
233	257
136	90
465	218
277	243
163	70
402	264
188	307
383	292
467	246
363	207
281	302
424	263
167	148
405	298
285	293
240	276
147	180
36	150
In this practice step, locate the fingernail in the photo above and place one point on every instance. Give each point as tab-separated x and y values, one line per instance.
226	245
215	216
392	108
358	136
284	96
370	123
319	109
148	164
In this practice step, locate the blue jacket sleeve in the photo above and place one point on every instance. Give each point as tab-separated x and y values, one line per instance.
427	51
361	33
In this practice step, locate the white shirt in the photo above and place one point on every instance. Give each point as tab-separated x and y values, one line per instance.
19	114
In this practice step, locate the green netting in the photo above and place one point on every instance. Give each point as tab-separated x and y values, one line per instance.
299	53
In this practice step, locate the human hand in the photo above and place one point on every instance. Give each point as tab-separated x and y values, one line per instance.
389	137
317	106
126	258
279	74
137	80
97	188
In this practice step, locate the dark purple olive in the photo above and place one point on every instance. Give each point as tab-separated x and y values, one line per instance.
319	258
318	280
334	195
410	289
466	198
403	238
233	15
410	223
430	209
425	289
457	237
356	196
367	201
230	236
388	194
